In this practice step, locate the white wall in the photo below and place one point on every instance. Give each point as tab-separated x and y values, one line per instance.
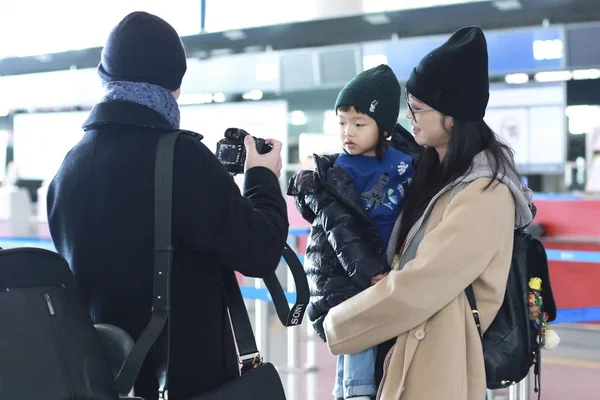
265	119
42	140
532	121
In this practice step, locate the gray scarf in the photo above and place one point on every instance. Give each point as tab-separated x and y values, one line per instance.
152	96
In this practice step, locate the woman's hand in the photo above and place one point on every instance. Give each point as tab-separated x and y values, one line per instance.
378	277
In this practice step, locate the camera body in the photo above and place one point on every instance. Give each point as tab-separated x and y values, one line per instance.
231	151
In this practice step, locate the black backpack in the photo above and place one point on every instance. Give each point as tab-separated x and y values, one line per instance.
48	346
511	345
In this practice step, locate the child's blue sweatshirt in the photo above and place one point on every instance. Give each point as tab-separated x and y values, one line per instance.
382	185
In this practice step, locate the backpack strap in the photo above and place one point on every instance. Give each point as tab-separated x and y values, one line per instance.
471	298
469	290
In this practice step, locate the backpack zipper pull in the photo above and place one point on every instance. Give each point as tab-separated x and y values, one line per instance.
49	304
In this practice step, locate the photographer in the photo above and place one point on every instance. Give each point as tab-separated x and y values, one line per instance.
101	212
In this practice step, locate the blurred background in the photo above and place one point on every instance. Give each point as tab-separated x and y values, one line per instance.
274	68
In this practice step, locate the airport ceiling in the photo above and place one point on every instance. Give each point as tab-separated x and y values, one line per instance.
354	29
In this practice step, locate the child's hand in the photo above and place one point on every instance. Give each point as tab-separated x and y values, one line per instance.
378	277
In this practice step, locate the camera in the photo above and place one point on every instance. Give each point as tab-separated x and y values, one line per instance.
231	151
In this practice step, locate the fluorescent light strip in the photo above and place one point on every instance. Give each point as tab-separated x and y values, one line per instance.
515	79
586	74
553	76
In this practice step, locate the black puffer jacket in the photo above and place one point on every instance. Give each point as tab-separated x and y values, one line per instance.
345	249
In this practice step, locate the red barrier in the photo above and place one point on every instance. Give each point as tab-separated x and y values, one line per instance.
575	285
570	218
572	225
240	278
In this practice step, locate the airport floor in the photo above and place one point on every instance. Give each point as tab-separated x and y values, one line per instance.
572	371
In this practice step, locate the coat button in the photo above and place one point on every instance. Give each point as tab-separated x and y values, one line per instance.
420	334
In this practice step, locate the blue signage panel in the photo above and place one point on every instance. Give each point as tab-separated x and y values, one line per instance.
404	55
524	50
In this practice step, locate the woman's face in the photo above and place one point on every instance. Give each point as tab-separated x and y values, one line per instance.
430	127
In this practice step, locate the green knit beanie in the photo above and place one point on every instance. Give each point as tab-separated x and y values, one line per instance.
376	92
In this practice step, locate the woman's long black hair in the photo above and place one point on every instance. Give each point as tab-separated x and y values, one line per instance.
467	139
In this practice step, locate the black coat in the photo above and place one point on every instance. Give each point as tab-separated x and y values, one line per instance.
345	249
100	210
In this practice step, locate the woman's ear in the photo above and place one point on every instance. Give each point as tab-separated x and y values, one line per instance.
448	123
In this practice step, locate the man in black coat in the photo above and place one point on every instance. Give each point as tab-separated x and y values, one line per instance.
101	216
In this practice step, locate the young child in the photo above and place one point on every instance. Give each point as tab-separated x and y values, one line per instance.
353	201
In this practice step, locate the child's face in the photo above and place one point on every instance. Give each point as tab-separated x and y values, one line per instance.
358	133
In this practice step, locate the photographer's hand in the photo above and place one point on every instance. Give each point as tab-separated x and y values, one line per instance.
271	160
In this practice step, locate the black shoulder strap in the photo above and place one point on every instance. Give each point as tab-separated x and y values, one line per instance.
240	320
471	298
163	251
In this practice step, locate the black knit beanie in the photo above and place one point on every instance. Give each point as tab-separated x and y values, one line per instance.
144	48
453	78
375	92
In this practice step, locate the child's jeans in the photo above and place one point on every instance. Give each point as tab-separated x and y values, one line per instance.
356	375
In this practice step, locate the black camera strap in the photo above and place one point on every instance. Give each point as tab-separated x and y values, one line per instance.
287	316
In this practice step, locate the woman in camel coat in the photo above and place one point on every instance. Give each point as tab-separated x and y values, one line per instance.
457	229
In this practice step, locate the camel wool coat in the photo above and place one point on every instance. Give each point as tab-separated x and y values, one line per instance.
464	237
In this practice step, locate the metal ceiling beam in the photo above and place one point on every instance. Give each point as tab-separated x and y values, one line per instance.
352	29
